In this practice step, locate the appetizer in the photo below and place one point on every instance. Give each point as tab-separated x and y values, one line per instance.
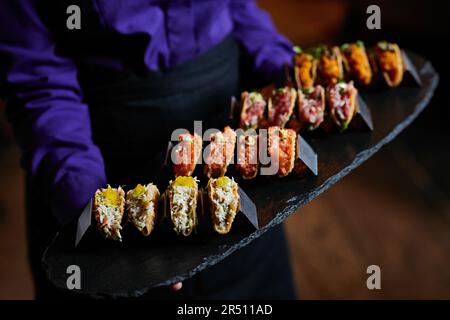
281	106
330	65
141	205
221	152
281	149
224	202
183	192
187	154
342	103
253	107
108	207
247	155
311	107
389	60
356	62
305	69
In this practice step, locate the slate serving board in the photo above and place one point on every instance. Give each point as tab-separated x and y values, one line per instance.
130	269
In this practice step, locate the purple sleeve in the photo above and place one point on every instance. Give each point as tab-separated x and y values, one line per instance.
255	30
51	123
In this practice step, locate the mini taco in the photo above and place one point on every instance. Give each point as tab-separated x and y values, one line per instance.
281	106
141	205
305	69
108	208
224	203
342	103
187	153
253	108
183	193
221	152
330	65
389	61
281	149
356	62
311	107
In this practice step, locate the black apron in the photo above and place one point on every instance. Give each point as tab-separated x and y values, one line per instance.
133	116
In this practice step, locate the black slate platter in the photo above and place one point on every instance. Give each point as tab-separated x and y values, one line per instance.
127	269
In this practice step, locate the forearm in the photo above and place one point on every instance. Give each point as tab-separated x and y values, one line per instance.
62	163
45	107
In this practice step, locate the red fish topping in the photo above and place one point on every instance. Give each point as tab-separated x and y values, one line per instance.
283	100
221	152
312	107
282	149
187	153
253	112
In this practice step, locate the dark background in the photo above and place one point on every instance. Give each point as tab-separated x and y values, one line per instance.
394	211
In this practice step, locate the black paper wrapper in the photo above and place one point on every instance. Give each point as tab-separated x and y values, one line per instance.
306	157
411	73
362	120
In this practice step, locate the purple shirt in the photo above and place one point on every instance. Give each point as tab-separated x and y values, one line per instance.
53	125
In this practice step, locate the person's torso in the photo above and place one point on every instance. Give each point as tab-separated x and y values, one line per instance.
142	35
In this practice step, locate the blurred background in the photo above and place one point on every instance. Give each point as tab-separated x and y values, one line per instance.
393	211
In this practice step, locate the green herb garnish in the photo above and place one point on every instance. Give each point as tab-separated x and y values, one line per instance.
307	90
385	46
344	126
345	46
317	51
297	49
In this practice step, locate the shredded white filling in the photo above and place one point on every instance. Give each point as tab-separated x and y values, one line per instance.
222	200
182	203
110	218
138	216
